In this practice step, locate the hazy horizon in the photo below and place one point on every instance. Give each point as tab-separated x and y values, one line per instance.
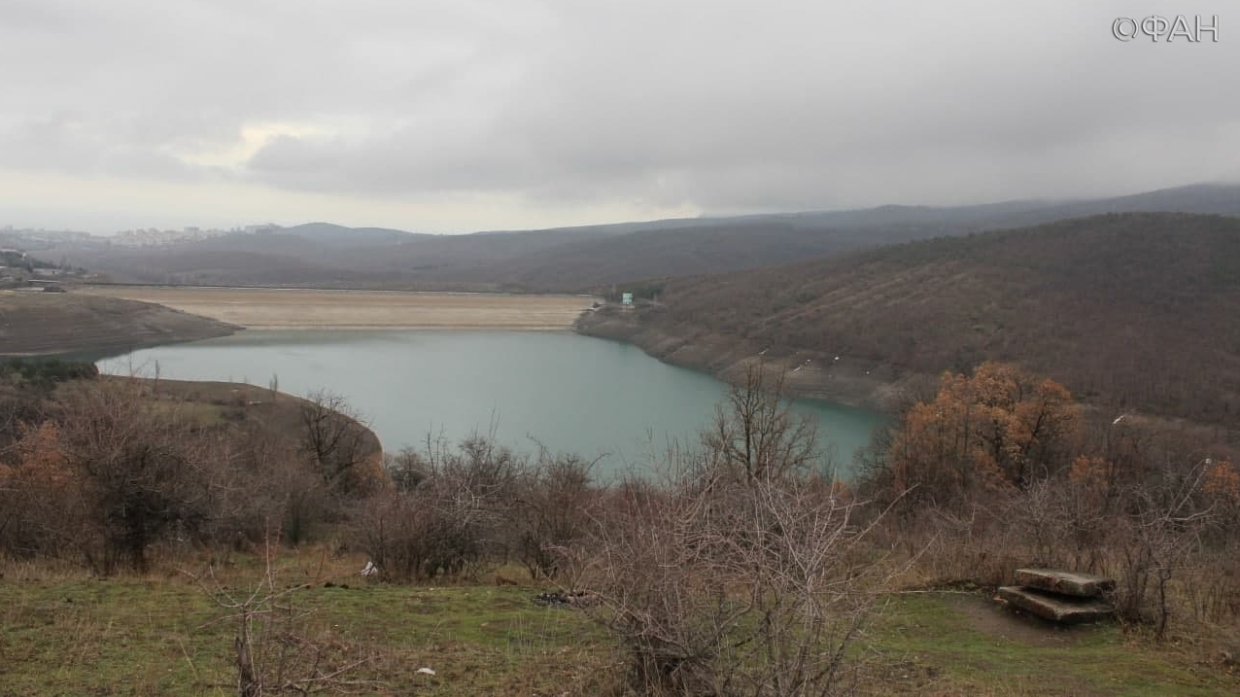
241	226
440	117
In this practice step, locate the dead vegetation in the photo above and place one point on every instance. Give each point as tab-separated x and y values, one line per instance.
992	475
1133	311
58	323
742	568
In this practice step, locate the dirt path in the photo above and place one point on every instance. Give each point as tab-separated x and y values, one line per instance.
986	616
258	308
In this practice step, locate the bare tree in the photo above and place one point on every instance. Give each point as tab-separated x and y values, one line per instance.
335	440
276	652
552	512
756	434
138	467
451	513
742	577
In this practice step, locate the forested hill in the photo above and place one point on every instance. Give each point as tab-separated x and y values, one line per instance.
1139	311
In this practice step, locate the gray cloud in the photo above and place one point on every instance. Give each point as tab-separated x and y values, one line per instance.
715	105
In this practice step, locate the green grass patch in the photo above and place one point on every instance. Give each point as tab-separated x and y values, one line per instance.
70	635
950	644
170	637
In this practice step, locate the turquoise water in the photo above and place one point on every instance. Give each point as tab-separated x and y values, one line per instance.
571	393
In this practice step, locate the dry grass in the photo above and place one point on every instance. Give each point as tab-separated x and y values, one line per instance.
942	644
51	323
162	633
1102	305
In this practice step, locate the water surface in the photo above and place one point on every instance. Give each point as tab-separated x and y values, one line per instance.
571	393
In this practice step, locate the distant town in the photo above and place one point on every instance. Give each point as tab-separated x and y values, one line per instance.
30	239
35	259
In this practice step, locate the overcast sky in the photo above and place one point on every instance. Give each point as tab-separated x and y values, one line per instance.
463	115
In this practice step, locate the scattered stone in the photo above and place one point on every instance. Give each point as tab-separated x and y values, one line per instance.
1065	582
567	599
1056	608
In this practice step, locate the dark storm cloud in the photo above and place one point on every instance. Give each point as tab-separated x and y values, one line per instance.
720	105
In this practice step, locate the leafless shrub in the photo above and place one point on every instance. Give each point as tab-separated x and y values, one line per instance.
1162	530
338	445
407	469
551	513
139	473
1211	588
115	466
740	577
275	649
762	604
455	518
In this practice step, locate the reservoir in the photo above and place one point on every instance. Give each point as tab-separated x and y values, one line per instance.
563	391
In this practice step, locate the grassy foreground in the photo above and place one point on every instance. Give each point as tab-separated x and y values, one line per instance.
167	633
953	644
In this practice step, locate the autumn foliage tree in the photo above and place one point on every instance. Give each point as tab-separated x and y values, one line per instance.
997	429
103	477
37	493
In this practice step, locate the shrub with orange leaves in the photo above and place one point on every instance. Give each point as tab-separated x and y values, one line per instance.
39	457
995	430
1093	478
38	494
1222	480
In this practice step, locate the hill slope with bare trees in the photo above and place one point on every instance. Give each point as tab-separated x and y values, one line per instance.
1137	311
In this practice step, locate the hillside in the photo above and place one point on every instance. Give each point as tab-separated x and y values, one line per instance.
34	323
1136	311
584	258
239	411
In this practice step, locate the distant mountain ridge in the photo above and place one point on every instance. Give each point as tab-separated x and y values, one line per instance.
589	258
341	236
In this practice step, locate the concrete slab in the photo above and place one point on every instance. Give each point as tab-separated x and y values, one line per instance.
1064	582
1055	608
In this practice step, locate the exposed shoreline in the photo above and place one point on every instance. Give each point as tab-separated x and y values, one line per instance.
34	324
209	311
297	309
457	327
807	374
